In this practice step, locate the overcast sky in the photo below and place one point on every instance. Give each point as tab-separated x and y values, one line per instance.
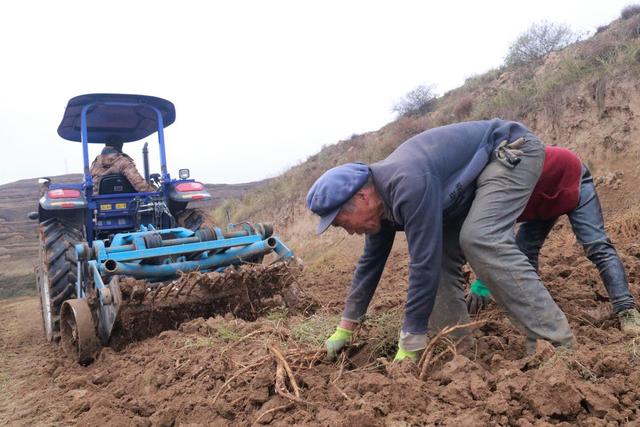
258	85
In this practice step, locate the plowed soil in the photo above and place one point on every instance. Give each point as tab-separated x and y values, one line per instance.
227	371
246	292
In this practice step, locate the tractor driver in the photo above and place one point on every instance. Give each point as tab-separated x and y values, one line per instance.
112	160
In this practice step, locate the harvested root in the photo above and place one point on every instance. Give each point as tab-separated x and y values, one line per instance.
282	362
283	375
427	359
236	375
272	410
282	369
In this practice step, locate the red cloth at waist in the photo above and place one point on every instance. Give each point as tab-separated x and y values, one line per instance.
558	189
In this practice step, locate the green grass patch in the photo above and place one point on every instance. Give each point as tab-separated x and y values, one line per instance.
200	342
380	331
227	334
314	330
4	380
17	285
222	334
278	315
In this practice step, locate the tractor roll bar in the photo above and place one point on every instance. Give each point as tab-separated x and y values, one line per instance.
85	141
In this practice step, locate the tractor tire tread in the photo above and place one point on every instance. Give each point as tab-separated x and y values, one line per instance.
194	218
59	263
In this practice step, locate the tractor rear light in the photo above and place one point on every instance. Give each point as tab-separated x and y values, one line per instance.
184	187
63	193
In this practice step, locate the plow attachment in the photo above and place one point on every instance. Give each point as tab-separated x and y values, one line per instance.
153	280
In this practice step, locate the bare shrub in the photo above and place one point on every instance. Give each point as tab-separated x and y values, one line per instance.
599	92
418	101
538	41
602	50
478	80
632	29
629	11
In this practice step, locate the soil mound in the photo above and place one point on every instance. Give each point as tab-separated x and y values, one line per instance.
246	292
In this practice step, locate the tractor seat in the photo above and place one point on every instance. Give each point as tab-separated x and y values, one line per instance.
115	183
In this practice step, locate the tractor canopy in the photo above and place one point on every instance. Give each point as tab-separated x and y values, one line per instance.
113	116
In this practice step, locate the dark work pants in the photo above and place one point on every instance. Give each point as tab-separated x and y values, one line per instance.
588	226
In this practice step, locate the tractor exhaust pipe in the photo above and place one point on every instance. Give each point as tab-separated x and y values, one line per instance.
145	158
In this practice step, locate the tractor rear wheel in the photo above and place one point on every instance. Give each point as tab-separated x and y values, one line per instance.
56	272
193	219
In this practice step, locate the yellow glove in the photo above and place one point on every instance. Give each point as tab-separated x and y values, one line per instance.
403	354
337	341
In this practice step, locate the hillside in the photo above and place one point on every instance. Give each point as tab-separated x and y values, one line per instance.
585	97
226	370
18	239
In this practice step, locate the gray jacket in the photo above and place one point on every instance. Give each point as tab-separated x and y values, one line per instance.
427	180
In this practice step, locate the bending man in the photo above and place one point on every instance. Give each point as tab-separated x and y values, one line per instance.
453	190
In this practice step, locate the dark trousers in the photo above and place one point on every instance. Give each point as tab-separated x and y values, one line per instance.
588	226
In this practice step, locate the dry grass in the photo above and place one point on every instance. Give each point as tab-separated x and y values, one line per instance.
626	225
314	330
383	332
463	107
633	348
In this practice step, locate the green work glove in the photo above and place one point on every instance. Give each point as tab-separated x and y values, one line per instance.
403	354
478	298
337	341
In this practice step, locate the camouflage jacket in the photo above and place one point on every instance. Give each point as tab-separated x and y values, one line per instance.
112	161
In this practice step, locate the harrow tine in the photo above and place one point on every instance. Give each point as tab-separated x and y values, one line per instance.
146	292
195	282
184	283
156	289
155	294
169	289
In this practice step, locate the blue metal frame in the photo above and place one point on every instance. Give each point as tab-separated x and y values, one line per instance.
129	250
126	258
85	141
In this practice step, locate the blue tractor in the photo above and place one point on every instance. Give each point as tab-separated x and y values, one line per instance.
92	244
